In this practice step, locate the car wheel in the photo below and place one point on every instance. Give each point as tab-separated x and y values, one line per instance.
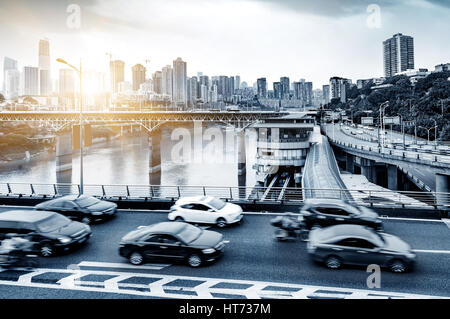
397	266
333	262
194	260
221	222
86	220
46	250
179	219
136	258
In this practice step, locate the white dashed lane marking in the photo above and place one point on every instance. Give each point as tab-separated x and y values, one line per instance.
98	264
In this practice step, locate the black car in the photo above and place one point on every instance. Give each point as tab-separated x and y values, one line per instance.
328	212
172	241
52	232
85	209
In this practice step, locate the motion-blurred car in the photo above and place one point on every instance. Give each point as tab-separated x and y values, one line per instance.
318	213
52	232
358	245
80	208
205	210
172	241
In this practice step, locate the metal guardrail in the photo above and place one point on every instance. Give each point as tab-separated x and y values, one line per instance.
249	194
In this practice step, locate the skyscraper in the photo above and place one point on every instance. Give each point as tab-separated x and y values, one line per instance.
8	64
325	94
45	82
157	82
30	80
339	87
179	83
117	72
138	72
66	87
262	88
398	53
285	87
167	81
277	90
12	83
237	82
309	93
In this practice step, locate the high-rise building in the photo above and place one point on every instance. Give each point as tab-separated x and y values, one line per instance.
66	87
398	53
262	88
157	82
326	94
179	83
12	83
8	64
285	88
117	71
237	82
277	90
45	82
192	90
309	93
138	74
339	87
30	80
167	81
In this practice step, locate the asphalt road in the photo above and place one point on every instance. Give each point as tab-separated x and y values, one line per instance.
252	255
422	172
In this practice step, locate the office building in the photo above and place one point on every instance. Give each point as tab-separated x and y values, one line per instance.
117	72
277	90
398	53
237	82
138	74
179	83
66	89
12	83
262	88
157	82
45	81
285	88
8	64
325	94
339	87
167	81
30	80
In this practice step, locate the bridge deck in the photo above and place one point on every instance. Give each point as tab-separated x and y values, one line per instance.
321	173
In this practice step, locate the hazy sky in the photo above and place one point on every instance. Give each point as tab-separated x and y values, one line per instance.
306	39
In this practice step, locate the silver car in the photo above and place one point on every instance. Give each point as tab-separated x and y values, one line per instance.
358	245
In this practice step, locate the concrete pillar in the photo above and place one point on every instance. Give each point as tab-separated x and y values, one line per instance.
442	189
349	167
367	172
242	160
154	156
374	174
392	177
64	152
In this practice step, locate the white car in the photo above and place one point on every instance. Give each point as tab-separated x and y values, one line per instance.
205	210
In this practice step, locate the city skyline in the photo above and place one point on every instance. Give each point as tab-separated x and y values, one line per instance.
322	29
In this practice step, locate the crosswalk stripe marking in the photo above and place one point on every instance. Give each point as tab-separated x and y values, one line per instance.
122	265
159	287
446	221
431	251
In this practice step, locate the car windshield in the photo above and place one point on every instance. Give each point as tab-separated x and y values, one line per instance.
52	223
189	233
87	201
216	203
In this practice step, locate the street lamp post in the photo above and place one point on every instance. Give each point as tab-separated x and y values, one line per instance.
80	75
381	123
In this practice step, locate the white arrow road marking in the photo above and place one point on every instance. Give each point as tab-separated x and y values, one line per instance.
113	283
69	282
98	264
26	279
157	286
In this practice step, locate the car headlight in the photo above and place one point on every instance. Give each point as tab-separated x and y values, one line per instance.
97	213
410	255
208	251
64	240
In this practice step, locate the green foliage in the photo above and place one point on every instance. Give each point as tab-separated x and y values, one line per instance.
425	102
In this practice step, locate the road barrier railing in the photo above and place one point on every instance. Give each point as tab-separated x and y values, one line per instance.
289	195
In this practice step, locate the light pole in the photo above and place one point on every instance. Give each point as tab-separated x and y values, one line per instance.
382	108
80	75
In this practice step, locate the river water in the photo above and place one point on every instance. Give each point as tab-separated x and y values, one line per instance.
125	160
